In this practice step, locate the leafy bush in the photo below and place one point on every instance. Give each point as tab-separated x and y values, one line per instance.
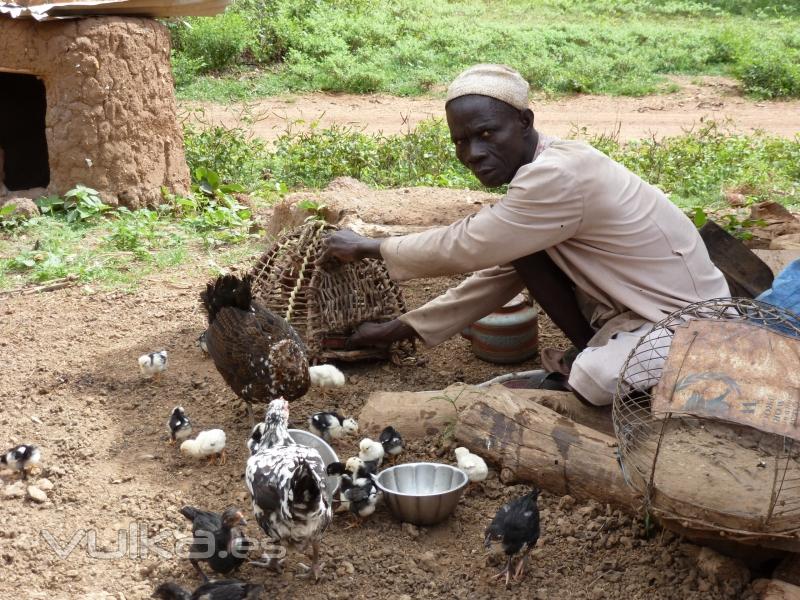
213	43
230	152
770	72
185	68
80	204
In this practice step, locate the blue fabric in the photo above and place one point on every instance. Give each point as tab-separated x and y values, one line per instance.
785	293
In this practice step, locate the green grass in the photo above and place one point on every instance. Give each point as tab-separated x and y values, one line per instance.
411	47
79	237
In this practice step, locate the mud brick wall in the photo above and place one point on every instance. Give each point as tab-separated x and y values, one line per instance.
110	122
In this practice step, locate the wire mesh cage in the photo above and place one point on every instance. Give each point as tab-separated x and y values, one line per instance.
326	305
706	418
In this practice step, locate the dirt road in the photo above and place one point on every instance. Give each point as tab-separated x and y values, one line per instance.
630	118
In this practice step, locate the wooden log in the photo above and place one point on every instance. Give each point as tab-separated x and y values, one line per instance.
419	414
414	414
530	442
775	589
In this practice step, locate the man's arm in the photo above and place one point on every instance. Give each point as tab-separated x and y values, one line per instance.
447	315
541	209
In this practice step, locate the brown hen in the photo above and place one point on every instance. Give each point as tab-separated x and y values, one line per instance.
258	353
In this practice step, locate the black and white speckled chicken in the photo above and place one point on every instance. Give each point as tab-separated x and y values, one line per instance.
217	539
288	487
516	527
223	589
258	353
21	458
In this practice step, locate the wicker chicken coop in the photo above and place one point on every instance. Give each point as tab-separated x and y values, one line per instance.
325	306
706	417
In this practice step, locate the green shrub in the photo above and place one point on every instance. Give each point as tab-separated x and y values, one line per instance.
214	43
769	72
185	68
230	152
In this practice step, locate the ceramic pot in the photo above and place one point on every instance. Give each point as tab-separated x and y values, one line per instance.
508	335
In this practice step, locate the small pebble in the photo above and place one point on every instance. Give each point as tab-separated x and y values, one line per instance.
45	485
411	530
16	490
37	495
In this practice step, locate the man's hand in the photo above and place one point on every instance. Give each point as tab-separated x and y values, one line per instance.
380	334
347	246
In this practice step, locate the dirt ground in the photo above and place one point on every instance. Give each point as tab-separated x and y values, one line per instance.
697	100
70	384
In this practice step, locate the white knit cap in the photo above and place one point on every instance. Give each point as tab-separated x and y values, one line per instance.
496	81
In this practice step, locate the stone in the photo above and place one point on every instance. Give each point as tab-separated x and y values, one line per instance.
722	569
23	207
410	530
45	485
15	490
37	495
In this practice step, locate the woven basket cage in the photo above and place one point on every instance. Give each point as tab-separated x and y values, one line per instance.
711	477
326	305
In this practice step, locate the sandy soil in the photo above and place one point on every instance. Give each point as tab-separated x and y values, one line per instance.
70	384
630	118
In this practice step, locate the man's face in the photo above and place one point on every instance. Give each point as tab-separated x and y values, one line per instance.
493	139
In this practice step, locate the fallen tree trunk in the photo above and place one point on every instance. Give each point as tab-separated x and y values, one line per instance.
420	414
533	443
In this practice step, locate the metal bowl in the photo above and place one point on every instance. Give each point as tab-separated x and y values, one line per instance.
306	438
422	493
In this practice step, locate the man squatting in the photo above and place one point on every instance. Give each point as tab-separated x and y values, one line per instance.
605	254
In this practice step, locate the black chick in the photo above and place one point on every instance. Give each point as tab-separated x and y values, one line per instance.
391	441
21	458
224	589
180	428
217	540
258	353
516	526
360	496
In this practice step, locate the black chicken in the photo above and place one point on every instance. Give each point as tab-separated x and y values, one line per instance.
224	589
516	527
217	539
258	353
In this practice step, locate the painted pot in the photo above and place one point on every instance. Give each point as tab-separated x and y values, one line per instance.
508	335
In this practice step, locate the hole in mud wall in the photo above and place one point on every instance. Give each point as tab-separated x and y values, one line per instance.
23	145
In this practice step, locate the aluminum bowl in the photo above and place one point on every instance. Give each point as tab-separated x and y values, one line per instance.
306	438
422	493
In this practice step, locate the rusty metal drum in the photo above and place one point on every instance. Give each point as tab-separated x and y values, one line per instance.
508	335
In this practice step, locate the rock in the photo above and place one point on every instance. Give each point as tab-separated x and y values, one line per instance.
428	562
37	495
724	570
349	568
15	490
790	241
45	485
410	530
23	207
566	502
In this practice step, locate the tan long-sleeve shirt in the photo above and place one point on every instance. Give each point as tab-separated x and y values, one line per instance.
620	240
